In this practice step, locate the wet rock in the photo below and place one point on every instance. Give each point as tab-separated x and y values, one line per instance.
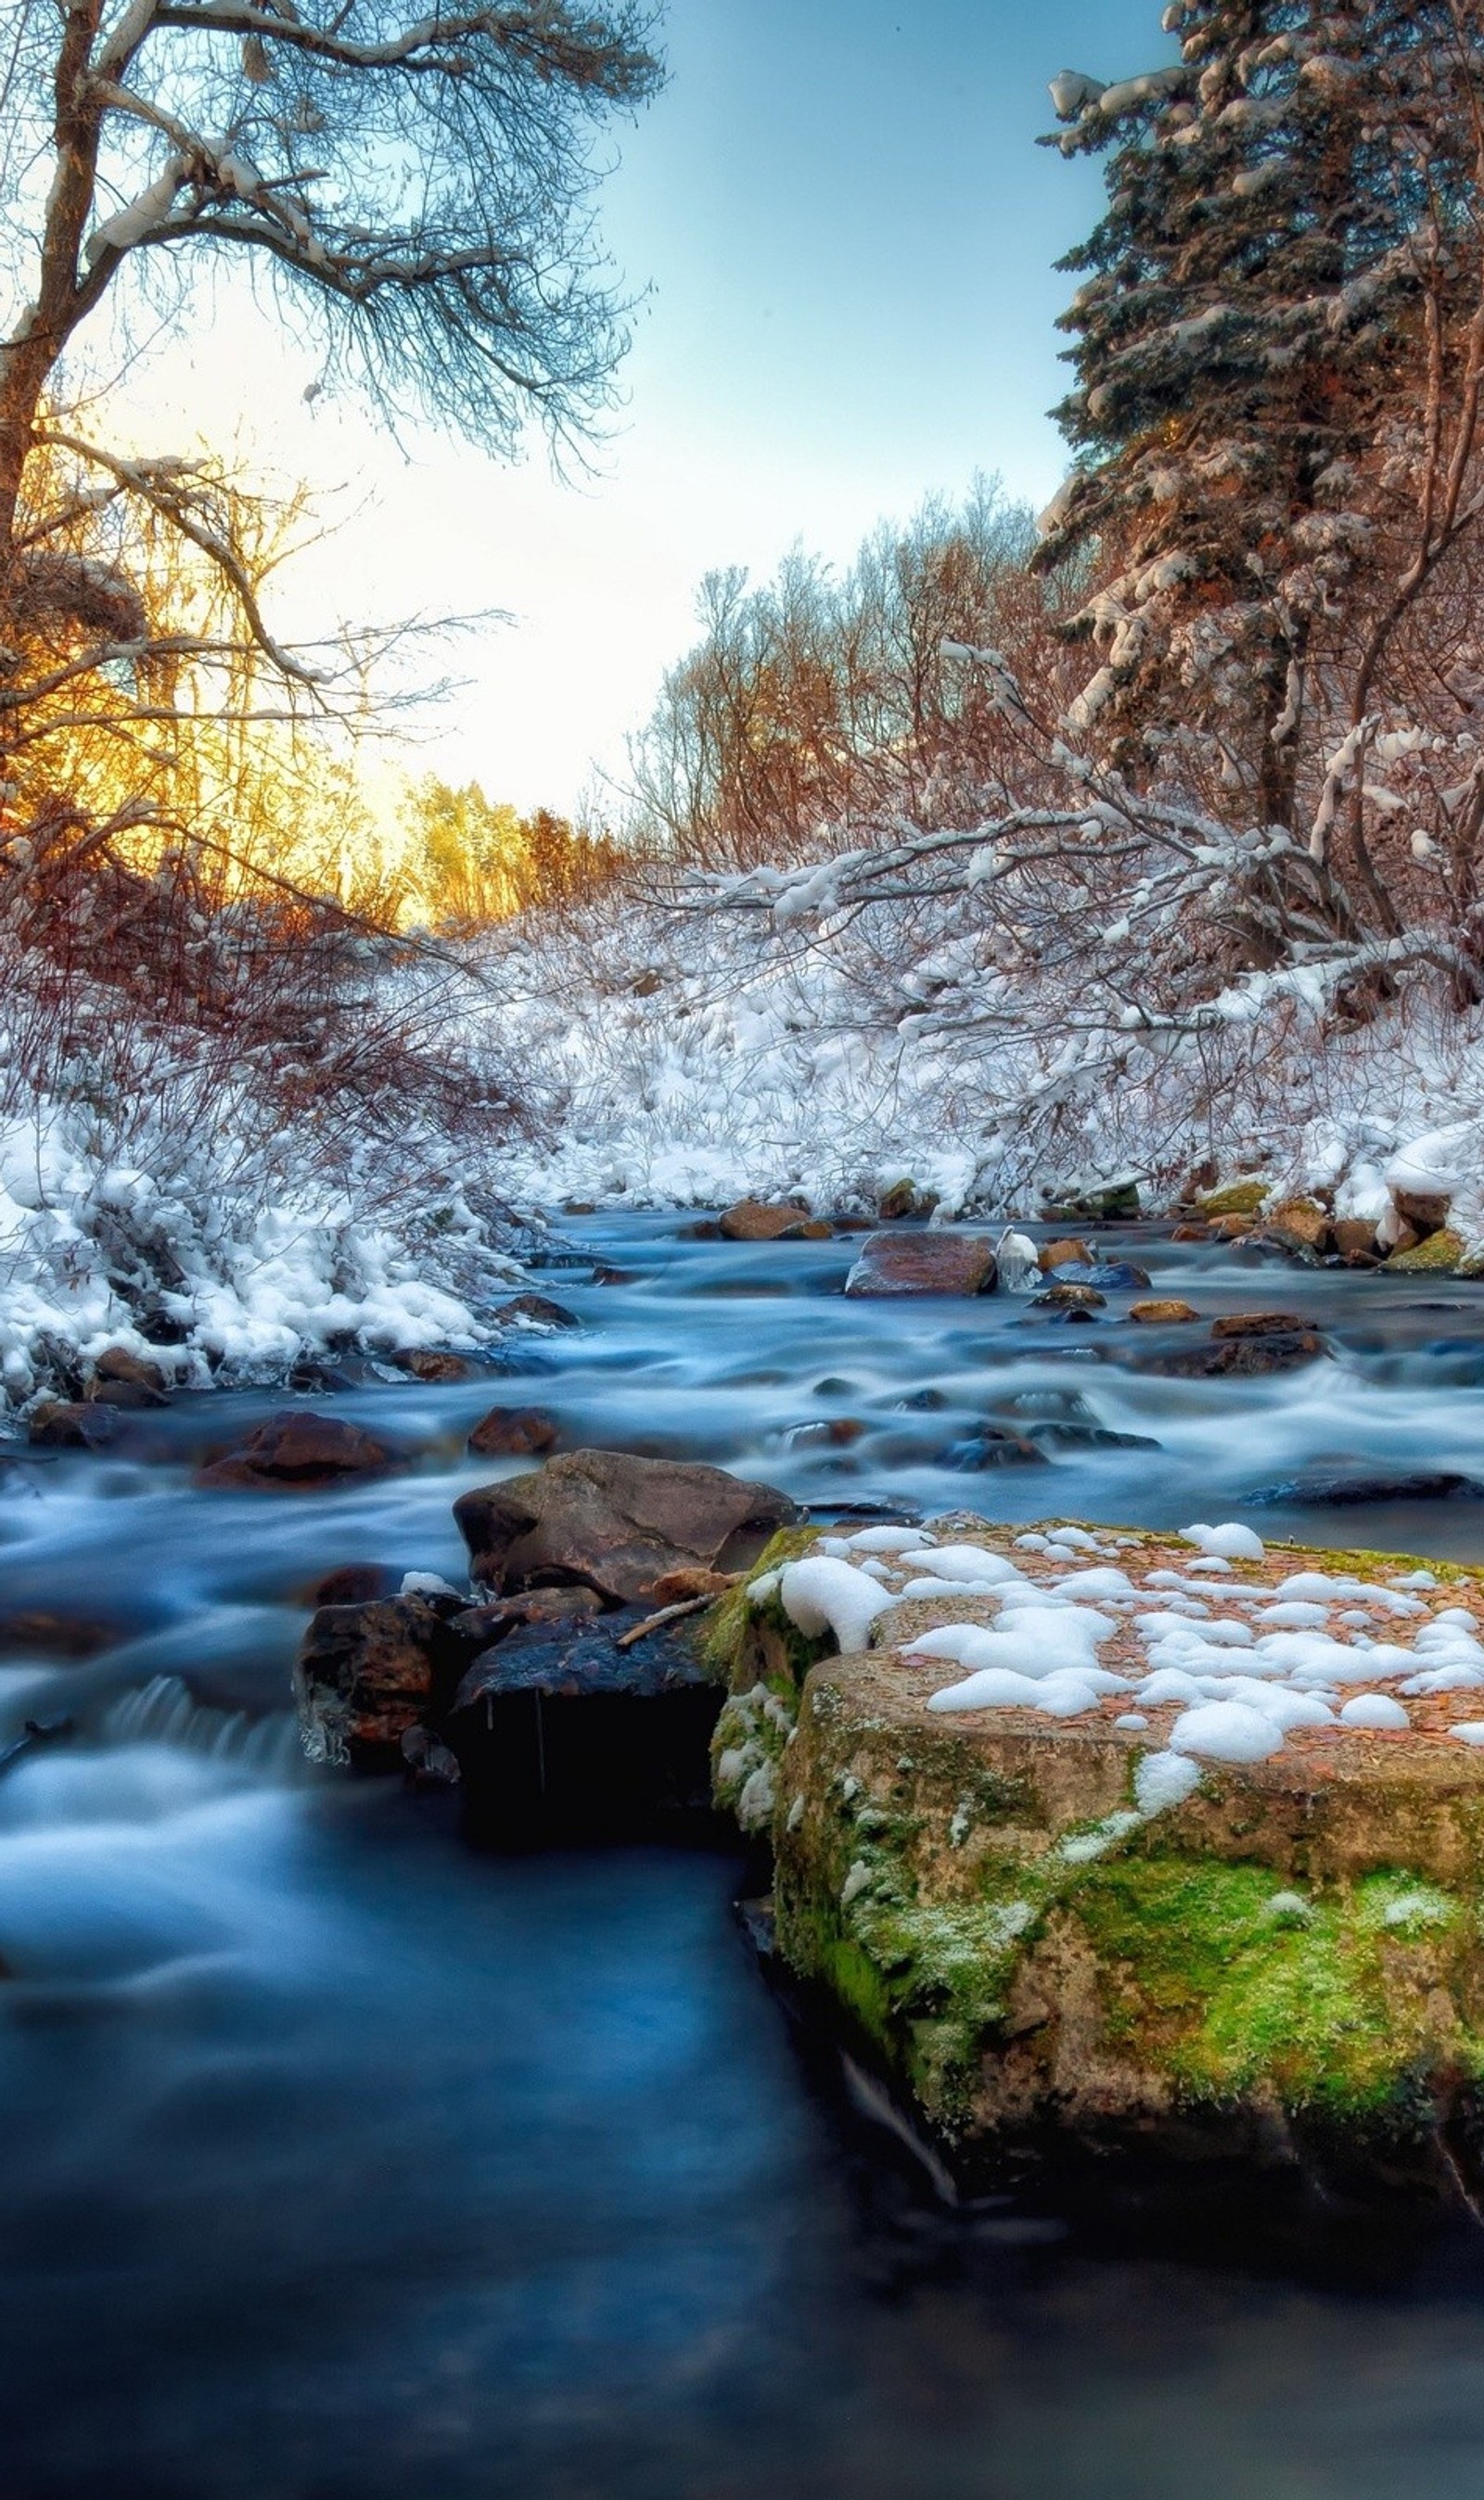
1425	1210
924	1263
1231	1228
130	1397
1116	1276
354	1584
69	1423
993	1447
1236	1357
539	1310
1071	1253
1355	1240
1089	1437
707	1229
481	1627
681	1588
617	1522
1191	1233
905	1199
44	1631
1344	1488
431	1364
922	1402
117	1366
1106	1202
581	1729
1239	1197
1165	1311
754	1219
836	1431
1256	1324
1441	1254
313	1375
579	1206
1068	1297
298	1451
514	1433
367	1673
1299	1224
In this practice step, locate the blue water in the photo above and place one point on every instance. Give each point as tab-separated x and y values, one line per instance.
339	2162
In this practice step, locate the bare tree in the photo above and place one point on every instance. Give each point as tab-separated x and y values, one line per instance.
419	183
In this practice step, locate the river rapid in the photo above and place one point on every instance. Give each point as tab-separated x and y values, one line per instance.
340	2162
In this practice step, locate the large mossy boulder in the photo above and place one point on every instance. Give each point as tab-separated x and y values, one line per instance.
1046	1954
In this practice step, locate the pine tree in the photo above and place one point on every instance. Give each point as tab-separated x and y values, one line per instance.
1288	210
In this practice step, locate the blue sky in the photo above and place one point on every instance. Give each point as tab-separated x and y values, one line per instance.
846	236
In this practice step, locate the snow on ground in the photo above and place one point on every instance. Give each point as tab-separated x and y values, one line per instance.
247	1260
688	1057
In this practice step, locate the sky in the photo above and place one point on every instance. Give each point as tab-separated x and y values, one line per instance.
843	235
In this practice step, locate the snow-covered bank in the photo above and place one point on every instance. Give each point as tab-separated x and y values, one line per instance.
242	1277
692	1059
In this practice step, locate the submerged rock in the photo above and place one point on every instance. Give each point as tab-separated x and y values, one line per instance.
1320	1488
538	1310
68	1424
515	1432
924	1263
432	1363
297	1451
1241	1352
617	1522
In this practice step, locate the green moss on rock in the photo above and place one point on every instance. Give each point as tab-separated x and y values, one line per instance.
1441	1254
1236	1197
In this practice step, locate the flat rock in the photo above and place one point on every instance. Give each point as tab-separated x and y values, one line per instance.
1258	1323
298	1451
924	1263
1162	1312
617	1522
1269	1966
581	1660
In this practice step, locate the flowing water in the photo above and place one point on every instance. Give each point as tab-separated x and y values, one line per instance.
339	2162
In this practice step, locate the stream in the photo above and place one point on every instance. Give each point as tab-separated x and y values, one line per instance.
342	2161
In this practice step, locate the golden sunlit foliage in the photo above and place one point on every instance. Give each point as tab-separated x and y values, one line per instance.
471	859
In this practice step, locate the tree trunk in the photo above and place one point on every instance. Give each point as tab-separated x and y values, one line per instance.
30	354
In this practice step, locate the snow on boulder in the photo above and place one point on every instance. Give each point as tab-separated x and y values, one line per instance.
1226	1731
822	1595
1425	1176
1229	1541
